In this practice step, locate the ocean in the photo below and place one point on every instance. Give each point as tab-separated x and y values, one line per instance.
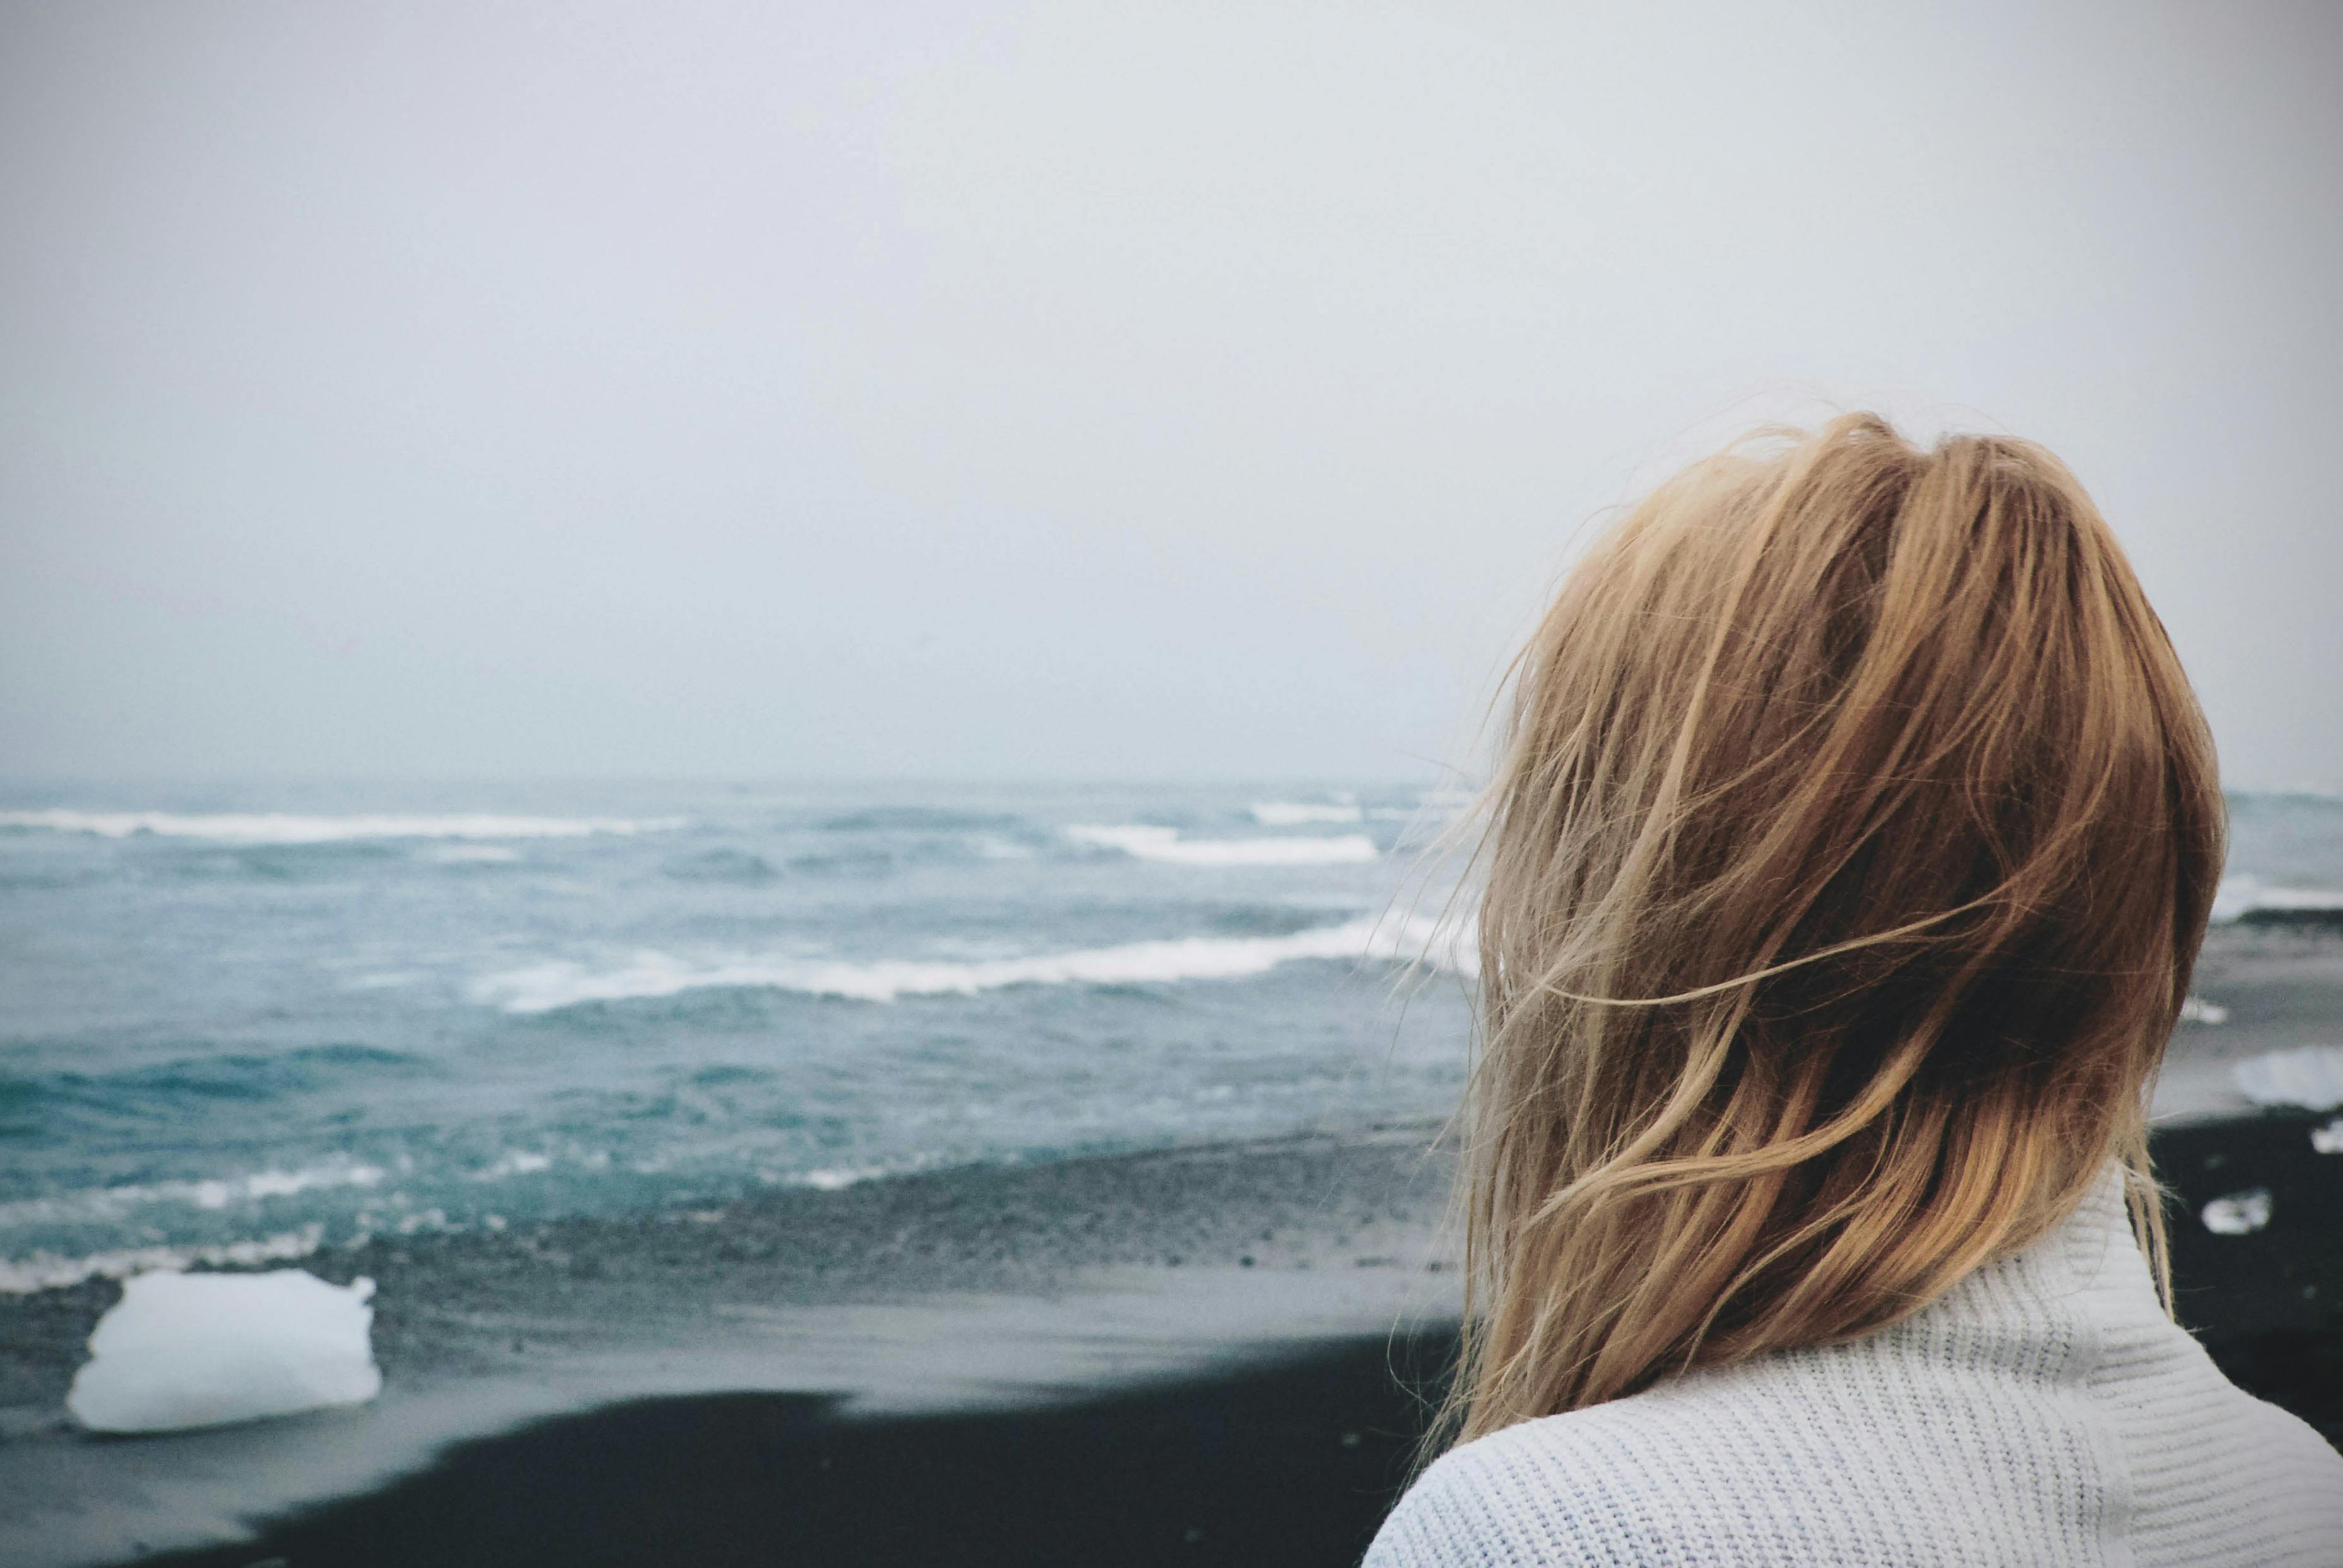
247	1023
253	1023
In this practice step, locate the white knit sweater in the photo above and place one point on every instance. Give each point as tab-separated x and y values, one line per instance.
2042	1412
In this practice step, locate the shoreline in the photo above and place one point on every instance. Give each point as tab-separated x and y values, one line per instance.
1136	1410
1157	1290
995	1293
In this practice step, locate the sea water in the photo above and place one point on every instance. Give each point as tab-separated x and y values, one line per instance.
245	1023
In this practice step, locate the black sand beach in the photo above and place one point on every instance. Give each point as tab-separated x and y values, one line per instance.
1289	1460
1272	1457
1046	1320
1214	1354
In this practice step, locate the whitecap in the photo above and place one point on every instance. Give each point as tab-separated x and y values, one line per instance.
214	1193
1144	842
280	827
543	988
514	1162
474	854
385	979
52	1270
835	1180
1299	813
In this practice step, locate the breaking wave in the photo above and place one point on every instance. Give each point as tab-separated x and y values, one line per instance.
280	827
1297	813
542	988
50	1271
1142	842
211	1192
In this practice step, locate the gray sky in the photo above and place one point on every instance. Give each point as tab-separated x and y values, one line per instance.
1096	389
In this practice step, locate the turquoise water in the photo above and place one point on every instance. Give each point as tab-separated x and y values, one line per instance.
250	1022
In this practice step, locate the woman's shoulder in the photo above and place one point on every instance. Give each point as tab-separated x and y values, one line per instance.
1619	1484
1874	1451
1809	1456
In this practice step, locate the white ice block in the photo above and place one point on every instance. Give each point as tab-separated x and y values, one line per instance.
182	1351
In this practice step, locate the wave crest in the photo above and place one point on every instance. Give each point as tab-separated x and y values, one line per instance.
1297	813
281	827
543	988
50	1271
1142	842
203	1193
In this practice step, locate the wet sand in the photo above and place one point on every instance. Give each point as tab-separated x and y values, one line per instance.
1202	1439
1177	1356
1290	1459
1013	1290
2281	984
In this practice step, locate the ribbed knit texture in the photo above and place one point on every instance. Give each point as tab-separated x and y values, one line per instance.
2042	1412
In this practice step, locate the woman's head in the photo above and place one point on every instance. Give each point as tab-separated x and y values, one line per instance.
1851	842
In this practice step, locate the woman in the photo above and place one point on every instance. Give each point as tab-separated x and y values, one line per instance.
1851	846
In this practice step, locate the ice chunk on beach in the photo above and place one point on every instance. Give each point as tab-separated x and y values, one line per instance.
2239	1213
2310	1077
182	1351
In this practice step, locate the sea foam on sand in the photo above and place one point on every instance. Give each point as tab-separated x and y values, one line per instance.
182	1351
2310	1076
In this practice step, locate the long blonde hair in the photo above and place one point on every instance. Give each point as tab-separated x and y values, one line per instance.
1849	850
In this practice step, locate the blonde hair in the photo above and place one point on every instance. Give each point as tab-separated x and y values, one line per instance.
1852	840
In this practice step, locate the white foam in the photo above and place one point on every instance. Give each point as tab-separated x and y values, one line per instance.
2196	1009
2328	1139
182	1351
206	1192
2310	1077
385	980
2241	894
52	1270
2297	898
473	855
515	1163
1165	845
544	987
1297	813
278	828
835	1180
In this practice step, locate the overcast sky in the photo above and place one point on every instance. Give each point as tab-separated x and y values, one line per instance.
1081	390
